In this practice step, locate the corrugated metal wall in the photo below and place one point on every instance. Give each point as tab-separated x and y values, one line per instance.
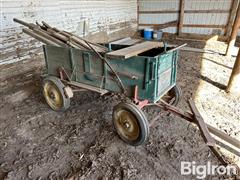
169	6
158	5
206	18
101	15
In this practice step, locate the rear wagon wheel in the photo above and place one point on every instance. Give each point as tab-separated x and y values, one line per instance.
53	91
130	123
173	96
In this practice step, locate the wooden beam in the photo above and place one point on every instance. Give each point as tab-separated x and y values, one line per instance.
231	17
189	117
234	33
207	11
162	26
195	37
181	16
158	25
159	12
185	11
234	81
187	25
205	25
209	140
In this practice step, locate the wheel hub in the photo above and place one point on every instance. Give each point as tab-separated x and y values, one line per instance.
127	125
52	95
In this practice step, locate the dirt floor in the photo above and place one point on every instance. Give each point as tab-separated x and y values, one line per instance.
38	143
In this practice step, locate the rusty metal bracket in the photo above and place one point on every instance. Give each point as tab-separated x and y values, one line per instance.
139	103
63	74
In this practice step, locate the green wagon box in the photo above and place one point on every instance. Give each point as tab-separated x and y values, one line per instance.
144	78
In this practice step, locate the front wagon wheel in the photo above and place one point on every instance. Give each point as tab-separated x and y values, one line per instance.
130	123
53	91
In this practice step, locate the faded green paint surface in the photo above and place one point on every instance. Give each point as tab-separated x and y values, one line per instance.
154	76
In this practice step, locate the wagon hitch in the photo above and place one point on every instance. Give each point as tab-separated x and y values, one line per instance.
205	129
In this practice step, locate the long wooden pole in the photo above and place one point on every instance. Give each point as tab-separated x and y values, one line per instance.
39	37
234	33
234	81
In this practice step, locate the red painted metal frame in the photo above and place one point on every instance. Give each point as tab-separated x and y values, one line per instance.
139	103
63	74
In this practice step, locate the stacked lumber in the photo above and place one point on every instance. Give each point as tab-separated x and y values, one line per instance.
52	36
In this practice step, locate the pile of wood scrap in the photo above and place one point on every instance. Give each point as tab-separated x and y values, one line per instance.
53	36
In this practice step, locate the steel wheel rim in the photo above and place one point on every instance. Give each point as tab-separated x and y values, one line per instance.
126	125
53	95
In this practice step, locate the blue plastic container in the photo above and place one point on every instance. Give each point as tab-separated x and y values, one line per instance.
148	34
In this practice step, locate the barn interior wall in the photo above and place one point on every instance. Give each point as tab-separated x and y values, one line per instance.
105	19
201	13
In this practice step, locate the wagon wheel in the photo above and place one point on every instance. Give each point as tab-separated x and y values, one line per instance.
130	123
53	91
173	96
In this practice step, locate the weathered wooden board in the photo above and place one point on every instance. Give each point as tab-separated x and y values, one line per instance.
127	41
209	140
134	50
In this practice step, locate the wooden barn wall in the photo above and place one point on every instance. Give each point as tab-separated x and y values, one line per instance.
108	16
208	16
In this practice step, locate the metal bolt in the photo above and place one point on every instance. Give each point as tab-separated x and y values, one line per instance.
126	125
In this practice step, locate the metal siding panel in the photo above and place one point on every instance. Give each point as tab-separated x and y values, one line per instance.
157	5
205	18
207	4
157	18
193	18
206	31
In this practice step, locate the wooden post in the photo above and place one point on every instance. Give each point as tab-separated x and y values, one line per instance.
231	17
181	16
233	36
138	14
234	81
